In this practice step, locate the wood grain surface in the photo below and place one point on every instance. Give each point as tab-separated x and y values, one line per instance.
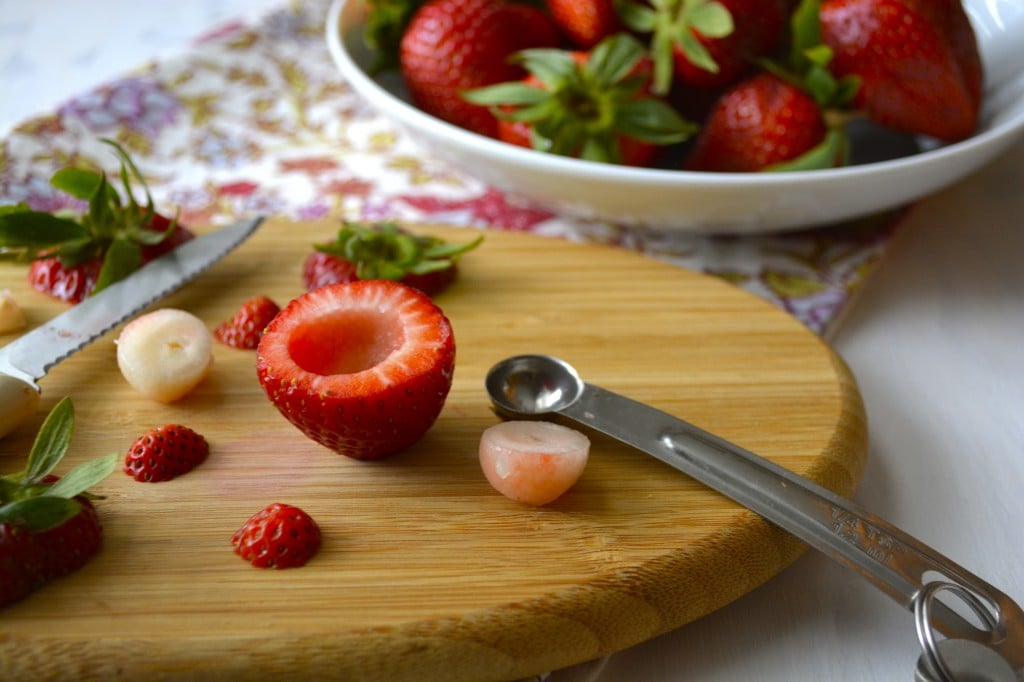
425	571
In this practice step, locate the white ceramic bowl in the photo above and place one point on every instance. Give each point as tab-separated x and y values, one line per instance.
708	202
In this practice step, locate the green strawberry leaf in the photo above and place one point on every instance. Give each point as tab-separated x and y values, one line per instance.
124	256
51	443
710	19
28	234
824	155
654	121
515	93
551	66
613	59
78	182
83	477
640	17
39	513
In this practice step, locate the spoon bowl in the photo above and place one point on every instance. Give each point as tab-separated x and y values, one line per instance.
532	386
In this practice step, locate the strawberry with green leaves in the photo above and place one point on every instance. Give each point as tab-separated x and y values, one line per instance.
385	251
595	105
707	44
74	256
785	117
917	61
48	525
454	45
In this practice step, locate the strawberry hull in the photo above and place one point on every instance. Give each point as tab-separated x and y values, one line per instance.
363	368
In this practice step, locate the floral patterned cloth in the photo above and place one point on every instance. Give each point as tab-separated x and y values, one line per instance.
256	119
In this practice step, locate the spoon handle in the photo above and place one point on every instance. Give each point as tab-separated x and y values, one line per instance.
892	560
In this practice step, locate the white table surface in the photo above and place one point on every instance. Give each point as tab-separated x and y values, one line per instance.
936	340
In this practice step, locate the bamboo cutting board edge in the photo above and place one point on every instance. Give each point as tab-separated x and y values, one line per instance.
617	590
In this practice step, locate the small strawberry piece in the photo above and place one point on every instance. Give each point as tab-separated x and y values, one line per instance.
454	45
585	23
760	122
362	368
279	536
917	61
385	251
48	524
76	256
534	462
164	453
246	327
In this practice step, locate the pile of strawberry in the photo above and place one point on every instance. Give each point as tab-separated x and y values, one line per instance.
705	85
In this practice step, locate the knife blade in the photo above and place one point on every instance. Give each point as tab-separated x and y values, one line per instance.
28	358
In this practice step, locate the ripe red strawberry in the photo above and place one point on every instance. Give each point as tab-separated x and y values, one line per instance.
454	45
385	251
246	326
585	23
760	122
279	536
592	105
48	525
73	257
917	61
163	453
362	368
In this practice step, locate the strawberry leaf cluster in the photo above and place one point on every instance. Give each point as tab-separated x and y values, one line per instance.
30	498
113	229
582	107
386	251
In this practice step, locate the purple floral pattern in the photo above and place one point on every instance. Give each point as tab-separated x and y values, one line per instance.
255	118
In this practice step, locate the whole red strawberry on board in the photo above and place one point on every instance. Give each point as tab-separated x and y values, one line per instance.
48	525
362	368
278	536
385	251
454	45
917	61
592	105
73	256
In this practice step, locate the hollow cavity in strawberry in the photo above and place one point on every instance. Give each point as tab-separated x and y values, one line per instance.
362	368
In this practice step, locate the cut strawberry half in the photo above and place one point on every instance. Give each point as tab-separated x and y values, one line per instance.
362	368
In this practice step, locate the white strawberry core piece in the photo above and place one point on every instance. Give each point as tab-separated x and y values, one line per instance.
12	317
533	461
165	354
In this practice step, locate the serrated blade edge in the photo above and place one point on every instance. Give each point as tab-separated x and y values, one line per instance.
30	356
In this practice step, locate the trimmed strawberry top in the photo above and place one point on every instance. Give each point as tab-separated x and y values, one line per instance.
362	368
75	256
385	251
48	525
246	326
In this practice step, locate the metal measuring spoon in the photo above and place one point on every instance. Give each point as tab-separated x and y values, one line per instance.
541	386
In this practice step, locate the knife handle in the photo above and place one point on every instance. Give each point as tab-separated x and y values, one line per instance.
18	402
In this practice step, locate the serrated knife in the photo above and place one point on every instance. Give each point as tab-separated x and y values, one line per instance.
27	359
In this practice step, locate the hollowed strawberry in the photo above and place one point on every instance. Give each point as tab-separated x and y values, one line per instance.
362	368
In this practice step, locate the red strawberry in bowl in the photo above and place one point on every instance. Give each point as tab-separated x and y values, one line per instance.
592	105
455	45
48	524
917	61
585	23
385	251
362	368
75	256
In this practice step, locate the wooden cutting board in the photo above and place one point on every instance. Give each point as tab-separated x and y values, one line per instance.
425	571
